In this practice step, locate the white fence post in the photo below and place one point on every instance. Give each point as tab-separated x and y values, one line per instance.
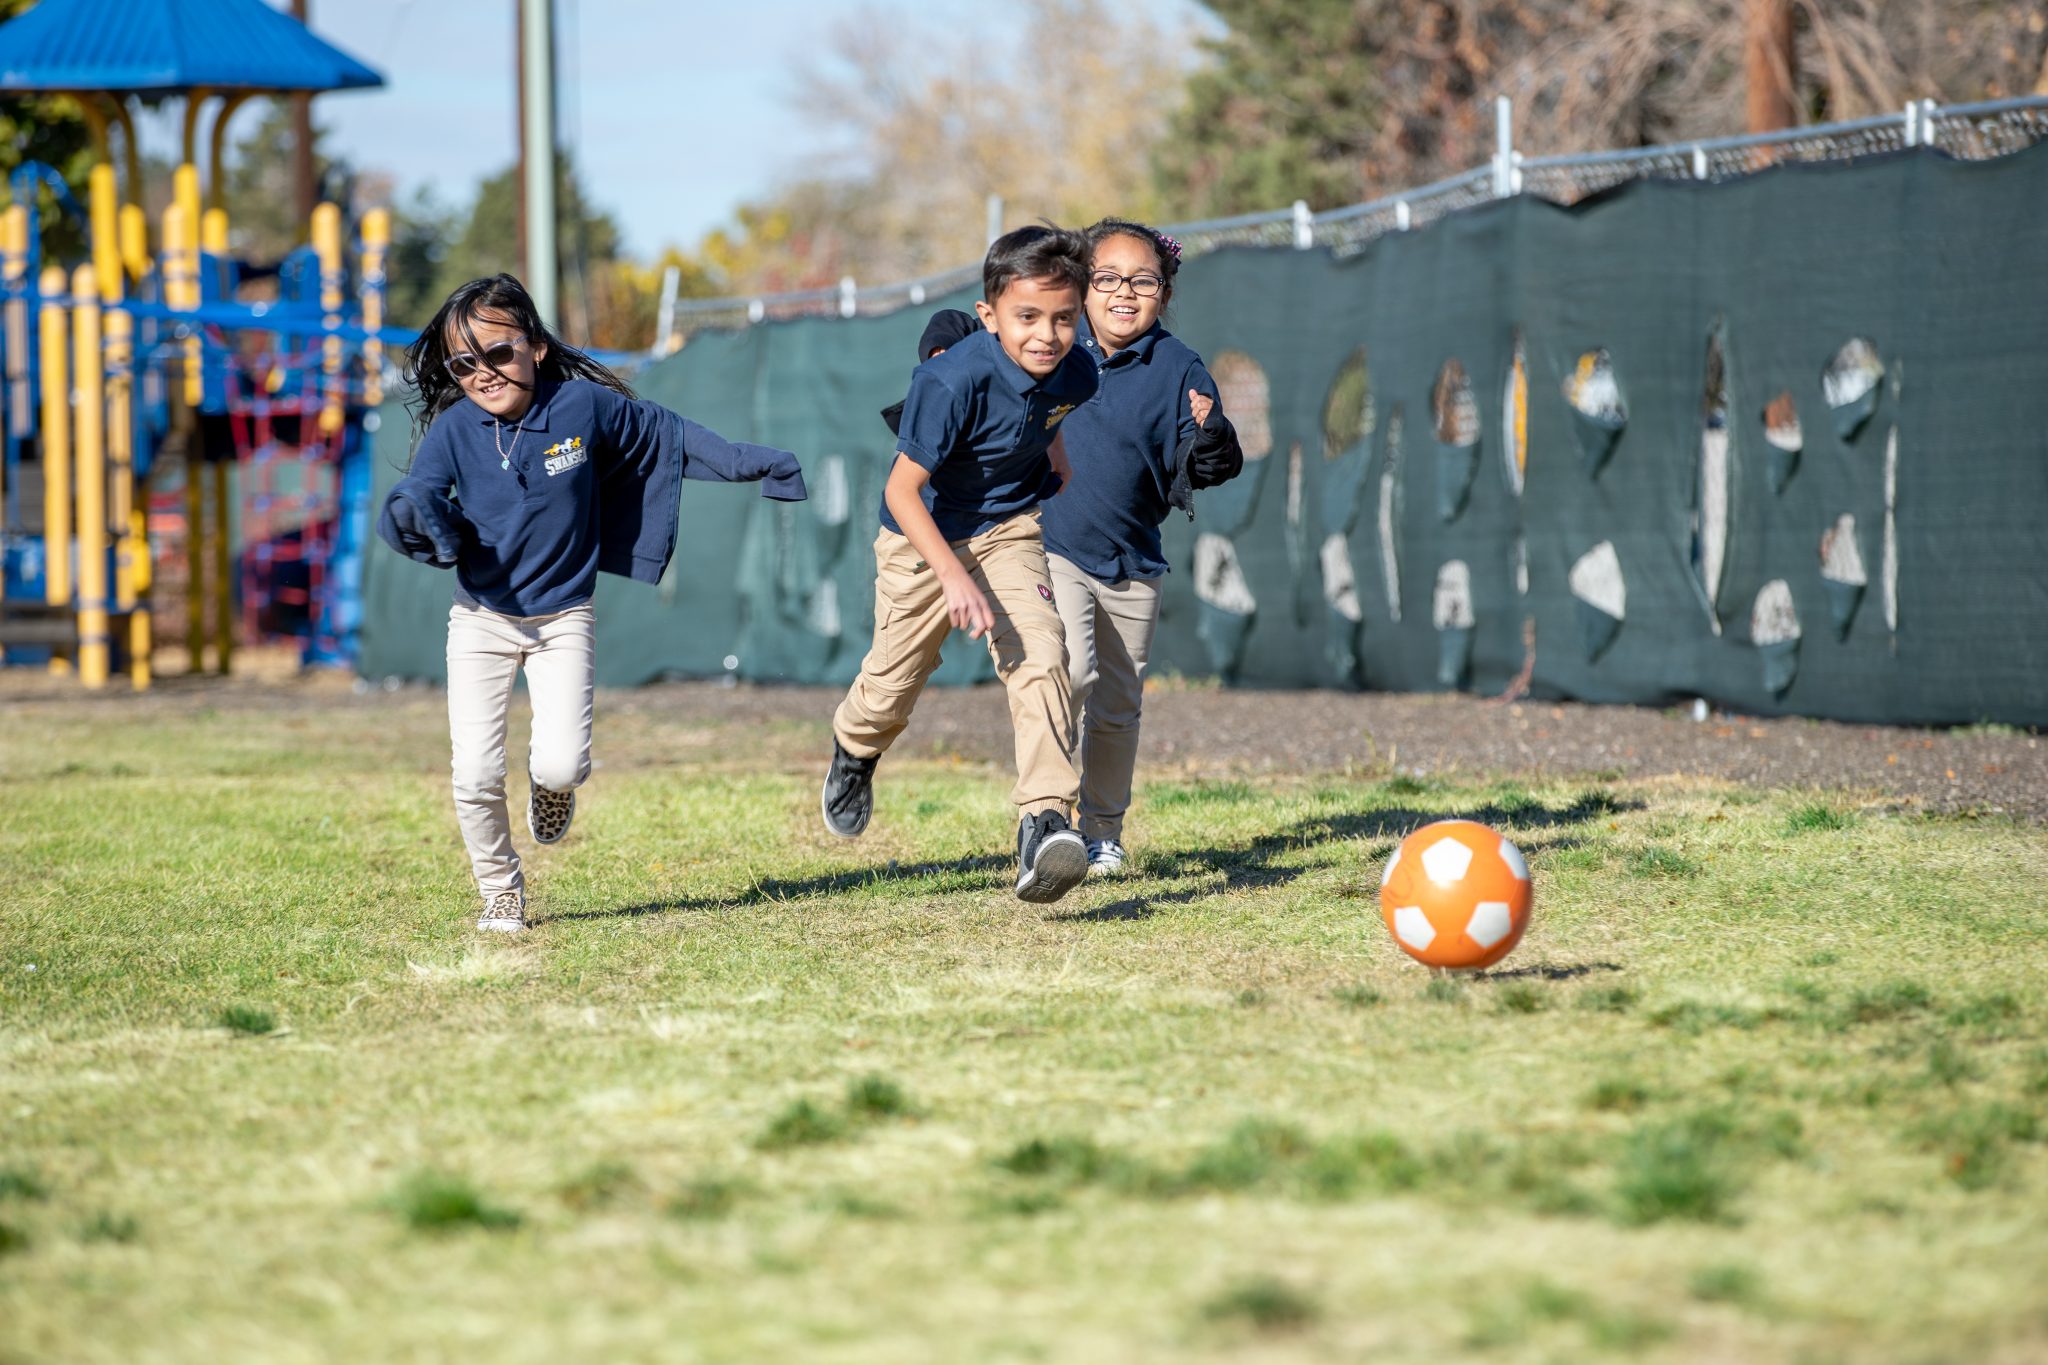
665	316
1304	226
846	304
1503	147
1699	162
1401	214
1912	123
995	218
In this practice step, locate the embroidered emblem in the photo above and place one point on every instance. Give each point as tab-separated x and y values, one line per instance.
1045	592
1057	413
565	455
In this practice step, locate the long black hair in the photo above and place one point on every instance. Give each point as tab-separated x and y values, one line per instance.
426	360
1163	246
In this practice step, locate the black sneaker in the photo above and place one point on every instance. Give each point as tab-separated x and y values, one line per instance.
849	797
1051	858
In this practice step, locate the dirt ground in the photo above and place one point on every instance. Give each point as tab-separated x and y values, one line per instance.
1983	770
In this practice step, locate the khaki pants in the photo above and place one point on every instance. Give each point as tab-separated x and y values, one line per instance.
1109	641
1027	644
485	653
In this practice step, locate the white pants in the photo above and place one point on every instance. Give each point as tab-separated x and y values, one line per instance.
486	650
1109	642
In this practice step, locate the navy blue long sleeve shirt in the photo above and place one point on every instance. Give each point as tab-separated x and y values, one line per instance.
1126	445
593	485
981	425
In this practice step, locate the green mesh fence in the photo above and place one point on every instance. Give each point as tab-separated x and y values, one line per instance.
1781	443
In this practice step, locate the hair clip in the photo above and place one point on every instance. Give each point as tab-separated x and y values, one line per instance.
1171	245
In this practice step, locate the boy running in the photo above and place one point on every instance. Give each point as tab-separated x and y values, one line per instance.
978	450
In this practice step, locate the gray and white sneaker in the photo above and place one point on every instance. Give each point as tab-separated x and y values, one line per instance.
504	913
1105	858
548	813
1051	858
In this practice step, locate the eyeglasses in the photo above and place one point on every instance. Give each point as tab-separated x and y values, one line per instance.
1108	282
463	364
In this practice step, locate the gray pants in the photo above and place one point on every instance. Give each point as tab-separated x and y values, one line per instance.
1109	641
486	650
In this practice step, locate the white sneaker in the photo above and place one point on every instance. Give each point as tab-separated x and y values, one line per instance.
1105	858
504	913
548	813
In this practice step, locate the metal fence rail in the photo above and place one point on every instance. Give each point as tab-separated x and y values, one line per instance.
1969	132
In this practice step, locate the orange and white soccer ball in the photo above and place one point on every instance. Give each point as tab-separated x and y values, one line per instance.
1456	895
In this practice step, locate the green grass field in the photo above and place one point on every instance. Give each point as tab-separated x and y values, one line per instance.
1767	1081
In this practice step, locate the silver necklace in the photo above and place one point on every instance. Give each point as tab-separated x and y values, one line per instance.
498	440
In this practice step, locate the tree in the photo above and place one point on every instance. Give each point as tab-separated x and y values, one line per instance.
49	129
603	304
1061	123
1337	101
421	230
263	222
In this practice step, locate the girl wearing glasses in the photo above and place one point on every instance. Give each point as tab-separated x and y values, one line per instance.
1153	433
536	468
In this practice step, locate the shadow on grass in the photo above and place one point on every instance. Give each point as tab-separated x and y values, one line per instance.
1548	971
1259	863
1252	865
778	890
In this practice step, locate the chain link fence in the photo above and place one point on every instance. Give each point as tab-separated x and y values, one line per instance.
1968	132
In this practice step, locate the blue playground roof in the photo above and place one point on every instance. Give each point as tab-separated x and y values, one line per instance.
167	46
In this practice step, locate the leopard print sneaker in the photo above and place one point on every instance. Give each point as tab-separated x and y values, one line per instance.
548	813
504	913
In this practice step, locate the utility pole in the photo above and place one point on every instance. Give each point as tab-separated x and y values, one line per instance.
1770	65
537	96
519	133
305	189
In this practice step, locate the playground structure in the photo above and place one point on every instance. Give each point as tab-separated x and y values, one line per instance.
145	350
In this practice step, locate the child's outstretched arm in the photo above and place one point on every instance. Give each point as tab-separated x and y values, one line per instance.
709	456
904	493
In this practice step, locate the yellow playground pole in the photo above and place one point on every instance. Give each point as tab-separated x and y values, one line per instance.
56	352
131	544
327	249
104	215
213	228
376	243
89	428
176	234
185	197
134	229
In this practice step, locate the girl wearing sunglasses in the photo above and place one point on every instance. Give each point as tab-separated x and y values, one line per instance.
535	470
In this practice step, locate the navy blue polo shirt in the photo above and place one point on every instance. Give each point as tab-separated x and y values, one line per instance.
981	425
535	547
1124	445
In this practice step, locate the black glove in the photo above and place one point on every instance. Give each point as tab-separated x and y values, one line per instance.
423	526
1215	456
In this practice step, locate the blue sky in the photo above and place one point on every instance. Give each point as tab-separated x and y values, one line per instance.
679	110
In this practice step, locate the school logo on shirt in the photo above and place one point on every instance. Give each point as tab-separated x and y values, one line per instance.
565	455
1057	413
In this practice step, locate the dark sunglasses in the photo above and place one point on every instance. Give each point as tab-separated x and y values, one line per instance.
463	364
